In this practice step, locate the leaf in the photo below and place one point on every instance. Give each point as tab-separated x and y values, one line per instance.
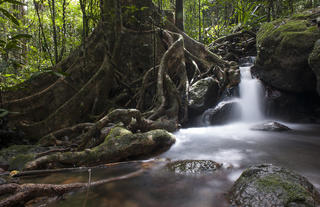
9	16
144	8
2	43
3	113
59	74
14	2
20	36
13	173
8	75
12	45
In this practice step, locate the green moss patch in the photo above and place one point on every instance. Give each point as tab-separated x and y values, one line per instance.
293	192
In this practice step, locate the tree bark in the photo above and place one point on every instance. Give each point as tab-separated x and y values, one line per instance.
179	15
52	6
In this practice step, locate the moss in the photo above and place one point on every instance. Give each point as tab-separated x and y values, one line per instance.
116	132
17	155
294	192
286	38
18	162
277	30
14	150
265	31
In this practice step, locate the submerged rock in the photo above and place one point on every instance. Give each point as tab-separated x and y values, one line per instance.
268	185
224	112
283	48
193	167
270	126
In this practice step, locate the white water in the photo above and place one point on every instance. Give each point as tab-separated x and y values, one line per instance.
251	96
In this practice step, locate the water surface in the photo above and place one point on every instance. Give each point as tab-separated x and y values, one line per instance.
234	145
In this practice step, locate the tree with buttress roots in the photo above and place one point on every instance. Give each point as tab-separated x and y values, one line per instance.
135	68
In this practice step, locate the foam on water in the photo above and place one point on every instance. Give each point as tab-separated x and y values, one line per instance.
251	96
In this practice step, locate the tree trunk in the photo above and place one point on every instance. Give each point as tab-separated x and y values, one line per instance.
199	19
120	72
52	6
45	45
179	14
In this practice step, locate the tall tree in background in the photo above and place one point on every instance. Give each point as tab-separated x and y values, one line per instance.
179	14
52	6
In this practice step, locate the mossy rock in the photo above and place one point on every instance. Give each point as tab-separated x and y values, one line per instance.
120	144
283	49
268	185
193	167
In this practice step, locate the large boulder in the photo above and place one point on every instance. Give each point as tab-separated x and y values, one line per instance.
203	94
268	185
314	62
283	48
224	112
292	107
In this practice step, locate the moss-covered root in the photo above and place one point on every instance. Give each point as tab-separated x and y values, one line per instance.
267	185
119	144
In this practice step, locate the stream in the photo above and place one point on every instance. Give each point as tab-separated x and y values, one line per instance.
233	144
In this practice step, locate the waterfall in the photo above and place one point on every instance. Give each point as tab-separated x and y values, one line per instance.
251	96
247	107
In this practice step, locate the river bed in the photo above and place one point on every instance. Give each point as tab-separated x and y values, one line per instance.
234	145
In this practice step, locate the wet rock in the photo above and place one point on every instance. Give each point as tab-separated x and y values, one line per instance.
268	185
314	62
302	108
283	48
247	61
270	126
193	167
223	113
233	77
203	94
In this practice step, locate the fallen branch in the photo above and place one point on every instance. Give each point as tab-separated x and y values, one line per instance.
76	169
26	192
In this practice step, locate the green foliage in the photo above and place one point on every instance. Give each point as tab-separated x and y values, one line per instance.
6	13
26	40
27	45
213	19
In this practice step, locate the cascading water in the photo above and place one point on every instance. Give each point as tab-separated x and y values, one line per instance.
251	96
248	108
